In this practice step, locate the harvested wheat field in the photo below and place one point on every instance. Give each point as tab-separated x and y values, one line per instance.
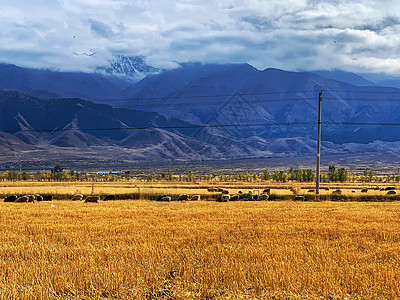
199	250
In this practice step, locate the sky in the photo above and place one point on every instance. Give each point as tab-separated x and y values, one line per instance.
359	36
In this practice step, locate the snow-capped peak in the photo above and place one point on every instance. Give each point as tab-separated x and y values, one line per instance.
131	66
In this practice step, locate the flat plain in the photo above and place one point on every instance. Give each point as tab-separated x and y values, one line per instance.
199	250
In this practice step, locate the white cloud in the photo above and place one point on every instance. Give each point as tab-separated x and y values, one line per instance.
361	35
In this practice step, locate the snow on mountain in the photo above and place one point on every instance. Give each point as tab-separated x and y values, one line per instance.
134	67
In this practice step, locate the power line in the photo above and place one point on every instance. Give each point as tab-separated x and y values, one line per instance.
364	99
258	101
208	96
361	123
109	101
243	94
219	102
162	127
365	92
276	100
236	125
206	126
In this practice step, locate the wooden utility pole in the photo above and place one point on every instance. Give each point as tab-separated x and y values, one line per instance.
318	143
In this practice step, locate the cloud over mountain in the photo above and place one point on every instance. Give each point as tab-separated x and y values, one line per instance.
361	35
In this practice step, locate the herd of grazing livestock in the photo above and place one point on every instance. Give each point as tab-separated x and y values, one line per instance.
390	190
183	197
27	198
223	195
250	196
39	198
255	196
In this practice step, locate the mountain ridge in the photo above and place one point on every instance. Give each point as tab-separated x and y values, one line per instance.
198	112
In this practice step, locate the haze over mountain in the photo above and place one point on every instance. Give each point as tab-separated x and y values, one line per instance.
195	112
105	82
50	84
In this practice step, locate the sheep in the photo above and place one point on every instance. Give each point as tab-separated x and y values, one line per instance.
38	197
163	198
234	198
23	199
253	198
166	199
159	197
47	198
391	192
225	198
195	198
183	197
77	197
337	192
11	198
262	197
364	190
353	191
299	198
267	191
92	199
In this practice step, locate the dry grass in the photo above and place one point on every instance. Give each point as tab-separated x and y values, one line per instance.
199	250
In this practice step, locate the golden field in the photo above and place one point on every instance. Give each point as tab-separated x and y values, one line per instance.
199	250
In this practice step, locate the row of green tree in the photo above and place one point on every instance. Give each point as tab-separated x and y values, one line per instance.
293	175
298	175
58	174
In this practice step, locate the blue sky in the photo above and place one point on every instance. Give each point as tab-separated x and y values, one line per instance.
359	36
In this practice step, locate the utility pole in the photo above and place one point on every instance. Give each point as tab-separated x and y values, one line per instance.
318	143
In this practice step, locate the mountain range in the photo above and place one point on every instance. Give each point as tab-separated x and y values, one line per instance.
105	82
269	97
132	111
